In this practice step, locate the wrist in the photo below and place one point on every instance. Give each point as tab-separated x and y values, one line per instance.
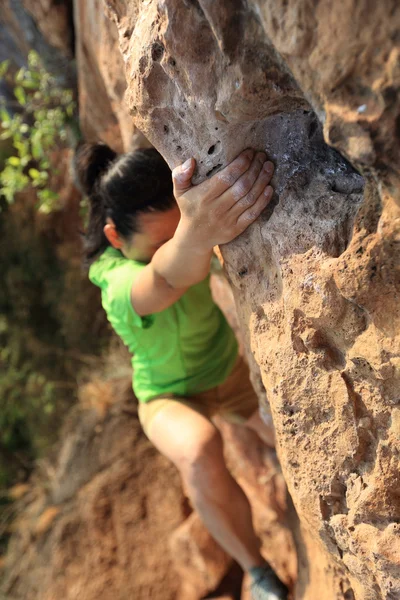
188	239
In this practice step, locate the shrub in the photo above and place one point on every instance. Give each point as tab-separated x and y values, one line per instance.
40	118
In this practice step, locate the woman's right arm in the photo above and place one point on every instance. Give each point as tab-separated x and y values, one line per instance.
213	212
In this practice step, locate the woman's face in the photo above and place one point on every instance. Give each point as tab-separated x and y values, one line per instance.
155	228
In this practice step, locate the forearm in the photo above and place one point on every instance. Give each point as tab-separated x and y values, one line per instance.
182	262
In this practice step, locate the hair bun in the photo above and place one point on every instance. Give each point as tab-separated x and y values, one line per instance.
90	162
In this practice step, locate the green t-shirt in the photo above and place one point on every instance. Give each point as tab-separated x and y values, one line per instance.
185	349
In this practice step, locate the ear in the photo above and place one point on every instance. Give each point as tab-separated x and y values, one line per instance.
112	235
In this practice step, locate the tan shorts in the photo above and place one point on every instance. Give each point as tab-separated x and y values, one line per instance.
235	399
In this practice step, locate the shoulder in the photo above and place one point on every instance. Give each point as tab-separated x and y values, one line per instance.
115	275
113	269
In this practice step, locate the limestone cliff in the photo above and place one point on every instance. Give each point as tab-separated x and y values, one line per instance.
317	279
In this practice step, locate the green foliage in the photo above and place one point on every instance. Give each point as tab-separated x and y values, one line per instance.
40	122
48	335
28	396
28	401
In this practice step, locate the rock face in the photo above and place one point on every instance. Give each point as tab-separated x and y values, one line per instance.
44	26
107	518
103	113
317	279
86	533
60	30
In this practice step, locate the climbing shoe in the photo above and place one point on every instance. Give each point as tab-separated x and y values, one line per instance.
266	585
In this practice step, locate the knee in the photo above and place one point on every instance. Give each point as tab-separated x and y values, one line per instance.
203	464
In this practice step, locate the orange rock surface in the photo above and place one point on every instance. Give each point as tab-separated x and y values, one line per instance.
317	279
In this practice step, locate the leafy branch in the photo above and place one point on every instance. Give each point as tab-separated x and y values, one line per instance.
36	121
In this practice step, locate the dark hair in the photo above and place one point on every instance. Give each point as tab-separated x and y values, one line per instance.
120	187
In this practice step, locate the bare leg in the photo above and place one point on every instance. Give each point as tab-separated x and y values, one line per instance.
194	445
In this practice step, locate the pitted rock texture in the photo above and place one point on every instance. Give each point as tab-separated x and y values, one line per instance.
317	279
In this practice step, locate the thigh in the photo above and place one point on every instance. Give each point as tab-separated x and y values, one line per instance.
180	431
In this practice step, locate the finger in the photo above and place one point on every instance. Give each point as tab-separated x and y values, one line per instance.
221	181
244	184
252	213
259	186
182	177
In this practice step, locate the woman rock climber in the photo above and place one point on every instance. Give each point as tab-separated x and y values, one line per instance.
150	241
